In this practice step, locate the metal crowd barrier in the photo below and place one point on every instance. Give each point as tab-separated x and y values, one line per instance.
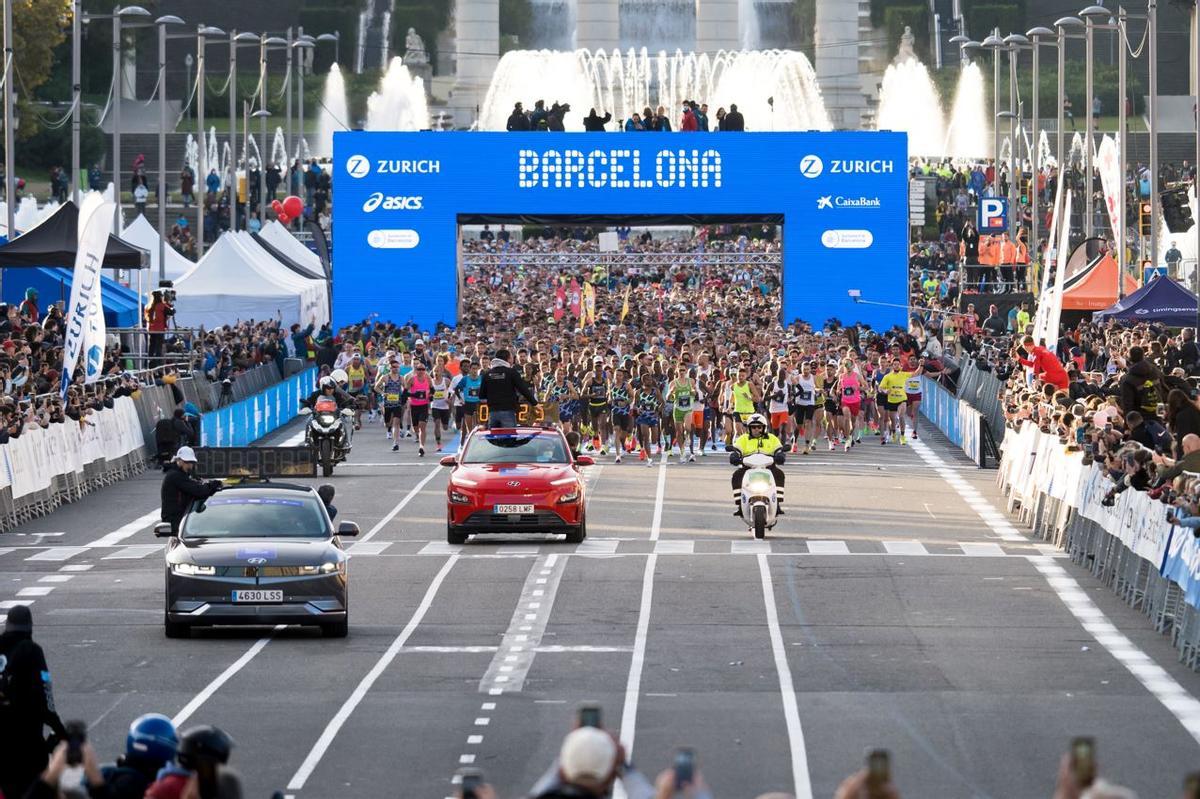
982	392
1137	581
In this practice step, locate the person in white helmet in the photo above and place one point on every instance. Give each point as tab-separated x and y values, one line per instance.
757	438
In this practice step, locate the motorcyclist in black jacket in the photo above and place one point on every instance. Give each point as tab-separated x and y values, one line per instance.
328	387
180	489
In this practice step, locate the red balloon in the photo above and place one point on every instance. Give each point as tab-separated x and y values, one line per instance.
293	206
284	218
277	207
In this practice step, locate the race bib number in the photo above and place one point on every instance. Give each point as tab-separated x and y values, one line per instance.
437	395
913	385
683	402
804	394
391	397
420	395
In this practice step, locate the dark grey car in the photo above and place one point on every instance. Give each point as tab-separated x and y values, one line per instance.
257	554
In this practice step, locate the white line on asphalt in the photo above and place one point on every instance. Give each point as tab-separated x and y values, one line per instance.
222	678
76	567
126	530
368	547
975	549
339	720
133	552
905	548
399	505
791	711
58	553
633	685
1173	696
56	578
514	658
11	603
828	548
35	590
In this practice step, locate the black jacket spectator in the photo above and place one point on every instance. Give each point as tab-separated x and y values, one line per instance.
1142	386
1183	417
26	705
179	489
503	386
517	121
595	123
733	120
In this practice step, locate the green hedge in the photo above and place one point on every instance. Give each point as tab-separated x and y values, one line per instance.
328	18
1008	17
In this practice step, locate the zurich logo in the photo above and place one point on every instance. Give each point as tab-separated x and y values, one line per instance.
95	360
513	483
256	561
824	202
358	166
811	166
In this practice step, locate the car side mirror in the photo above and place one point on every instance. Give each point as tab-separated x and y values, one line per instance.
448	460
163	530
348	529
585	460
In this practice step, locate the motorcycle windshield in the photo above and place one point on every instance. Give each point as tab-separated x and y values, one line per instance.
324	405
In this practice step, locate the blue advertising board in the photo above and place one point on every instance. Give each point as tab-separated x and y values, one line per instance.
843	198
242	423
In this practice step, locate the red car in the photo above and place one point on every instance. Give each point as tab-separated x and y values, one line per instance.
515	480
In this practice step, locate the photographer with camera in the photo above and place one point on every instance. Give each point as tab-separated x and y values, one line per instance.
158	315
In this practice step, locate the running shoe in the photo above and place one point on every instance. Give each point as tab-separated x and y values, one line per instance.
914	435
903	439
421	451
604	450
794	448
395	447
847	445
883	440
703	454
389	434
691	457
650	462
831	445
618	458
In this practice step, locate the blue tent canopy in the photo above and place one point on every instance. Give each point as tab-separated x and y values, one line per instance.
1163	300
54	284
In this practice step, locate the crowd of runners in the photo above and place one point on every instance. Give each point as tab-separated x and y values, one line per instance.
672	359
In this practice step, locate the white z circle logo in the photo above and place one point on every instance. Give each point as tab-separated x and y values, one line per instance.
811	166
358	166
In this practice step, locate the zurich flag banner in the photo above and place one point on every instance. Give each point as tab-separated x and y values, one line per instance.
85	314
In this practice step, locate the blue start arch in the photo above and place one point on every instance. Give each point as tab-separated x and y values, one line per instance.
842	198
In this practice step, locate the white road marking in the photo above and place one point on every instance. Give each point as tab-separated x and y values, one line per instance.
674	547
56	578
134	552
828	548
791	711
633	685
440	548
6	550
368	547
905	548
143	522
399	506
199	699
339	720
76	567
517	648
12	603
754	547
975	549
58	553
35	590
1173	696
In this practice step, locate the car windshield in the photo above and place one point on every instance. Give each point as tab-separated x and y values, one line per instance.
234	516
515	448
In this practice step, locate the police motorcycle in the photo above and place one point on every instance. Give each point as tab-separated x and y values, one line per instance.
760	495
327	433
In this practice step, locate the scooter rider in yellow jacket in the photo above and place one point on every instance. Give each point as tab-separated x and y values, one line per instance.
757	439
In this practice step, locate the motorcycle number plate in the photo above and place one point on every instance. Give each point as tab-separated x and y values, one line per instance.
258	595
512	509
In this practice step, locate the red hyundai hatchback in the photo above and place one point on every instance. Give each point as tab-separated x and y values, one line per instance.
515	480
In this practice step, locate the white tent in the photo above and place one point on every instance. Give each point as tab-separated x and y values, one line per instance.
226	286
141	233
314	292
281	239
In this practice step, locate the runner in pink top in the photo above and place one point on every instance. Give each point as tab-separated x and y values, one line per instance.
419	391
850	393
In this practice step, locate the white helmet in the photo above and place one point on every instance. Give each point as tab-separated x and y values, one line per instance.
757	418
340	376
328	382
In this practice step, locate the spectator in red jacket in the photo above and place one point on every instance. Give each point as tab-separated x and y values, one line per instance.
1045	364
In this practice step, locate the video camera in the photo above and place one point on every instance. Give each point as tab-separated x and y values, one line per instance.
167	289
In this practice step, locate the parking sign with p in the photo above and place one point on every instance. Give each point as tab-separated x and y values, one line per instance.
993	214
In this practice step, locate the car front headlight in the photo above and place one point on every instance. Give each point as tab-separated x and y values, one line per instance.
323	568
571	496
192	570
459	498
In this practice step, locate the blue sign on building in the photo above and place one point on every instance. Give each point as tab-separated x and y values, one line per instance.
993	215
401	197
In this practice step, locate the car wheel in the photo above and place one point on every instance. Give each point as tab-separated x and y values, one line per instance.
175	629
454	535
336	630
576	535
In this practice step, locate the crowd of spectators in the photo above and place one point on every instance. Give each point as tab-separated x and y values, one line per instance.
1124	397
693	117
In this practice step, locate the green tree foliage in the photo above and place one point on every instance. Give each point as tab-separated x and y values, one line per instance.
39	26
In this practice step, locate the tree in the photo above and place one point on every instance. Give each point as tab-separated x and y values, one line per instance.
38	27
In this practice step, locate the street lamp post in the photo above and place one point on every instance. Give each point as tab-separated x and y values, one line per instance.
336	38
1152	34
1036	37
287	82
266	44
10	185
996	45
303	43
235	39
1014	42
1089	14
202	34
162	23
76	94
1063	26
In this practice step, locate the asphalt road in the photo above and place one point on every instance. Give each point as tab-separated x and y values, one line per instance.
895	606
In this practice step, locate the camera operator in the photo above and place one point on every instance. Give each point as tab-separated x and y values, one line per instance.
158	315
179	488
